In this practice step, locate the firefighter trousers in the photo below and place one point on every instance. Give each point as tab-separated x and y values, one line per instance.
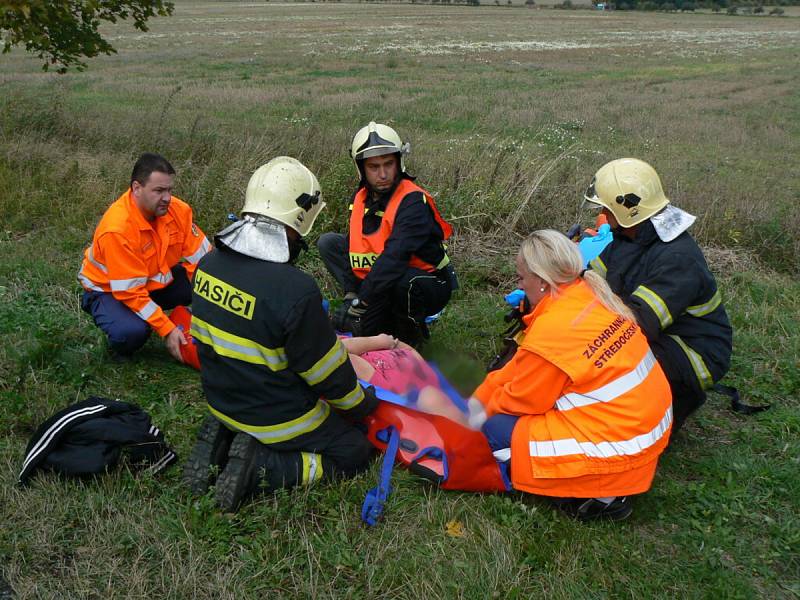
400	312
336	449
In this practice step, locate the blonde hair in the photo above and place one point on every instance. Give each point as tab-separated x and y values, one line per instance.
553	257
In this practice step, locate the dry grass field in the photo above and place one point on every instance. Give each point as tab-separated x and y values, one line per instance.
509	112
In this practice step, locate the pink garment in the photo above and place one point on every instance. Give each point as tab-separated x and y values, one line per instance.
400	370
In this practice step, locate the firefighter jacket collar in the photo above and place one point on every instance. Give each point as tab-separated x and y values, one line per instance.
136	214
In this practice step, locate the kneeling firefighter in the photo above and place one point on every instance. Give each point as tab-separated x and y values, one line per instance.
660	272
392	264
278	382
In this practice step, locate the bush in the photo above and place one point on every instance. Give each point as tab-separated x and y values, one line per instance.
776	11
732	10
530	3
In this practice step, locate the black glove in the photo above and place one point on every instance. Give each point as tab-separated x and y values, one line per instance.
339	318
347	317
357	309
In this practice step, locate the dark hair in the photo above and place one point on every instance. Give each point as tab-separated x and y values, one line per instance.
147	163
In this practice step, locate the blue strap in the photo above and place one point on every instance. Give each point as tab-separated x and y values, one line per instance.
409	400
375	500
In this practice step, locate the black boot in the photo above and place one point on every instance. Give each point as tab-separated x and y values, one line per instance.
591	509
208	457
239	480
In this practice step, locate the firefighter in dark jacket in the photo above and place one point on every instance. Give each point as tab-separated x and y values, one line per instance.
272	368
657	268
392	263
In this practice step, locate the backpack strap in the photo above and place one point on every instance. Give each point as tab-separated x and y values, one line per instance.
375	500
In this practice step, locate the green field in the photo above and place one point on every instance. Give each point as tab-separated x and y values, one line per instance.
509	112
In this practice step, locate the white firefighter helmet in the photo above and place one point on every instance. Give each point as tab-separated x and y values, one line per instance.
629	188
286	191
378	140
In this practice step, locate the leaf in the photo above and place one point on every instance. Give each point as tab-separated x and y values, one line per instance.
454	529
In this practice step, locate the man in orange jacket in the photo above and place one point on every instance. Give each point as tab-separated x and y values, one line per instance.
141	259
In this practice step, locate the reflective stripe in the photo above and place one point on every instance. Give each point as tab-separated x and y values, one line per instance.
164	278
148	310
321	369
120	285
89	284
280	432
99	265
444	262
700	310
654	301
347	402
620	386
312	467
201	252
640	443
239	348
598	266
377	213
502	455
698	364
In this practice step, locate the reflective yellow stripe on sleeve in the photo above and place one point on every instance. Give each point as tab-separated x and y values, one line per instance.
599	267
698	364
348	401
280	432
657	305
325	365
233	346
700	310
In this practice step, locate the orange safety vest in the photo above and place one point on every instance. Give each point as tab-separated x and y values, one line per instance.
612	419
130	256
366	248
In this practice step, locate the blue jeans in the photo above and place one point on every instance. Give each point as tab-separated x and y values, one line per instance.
127	331
498	430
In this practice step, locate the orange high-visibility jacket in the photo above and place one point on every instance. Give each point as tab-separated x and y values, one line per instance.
130	256
596	407
366	248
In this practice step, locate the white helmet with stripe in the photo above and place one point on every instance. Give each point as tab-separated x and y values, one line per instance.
378	140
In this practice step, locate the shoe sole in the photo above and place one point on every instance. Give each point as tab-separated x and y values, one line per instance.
234	482
620	512
210	450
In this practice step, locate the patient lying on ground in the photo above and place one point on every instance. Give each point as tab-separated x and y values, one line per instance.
391	365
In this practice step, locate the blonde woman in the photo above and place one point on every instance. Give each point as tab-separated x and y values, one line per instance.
582	411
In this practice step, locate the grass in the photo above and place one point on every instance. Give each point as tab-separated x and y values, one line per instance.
506	133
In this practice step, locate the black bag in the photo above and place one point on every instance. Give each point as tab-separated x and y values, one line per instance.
89	437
